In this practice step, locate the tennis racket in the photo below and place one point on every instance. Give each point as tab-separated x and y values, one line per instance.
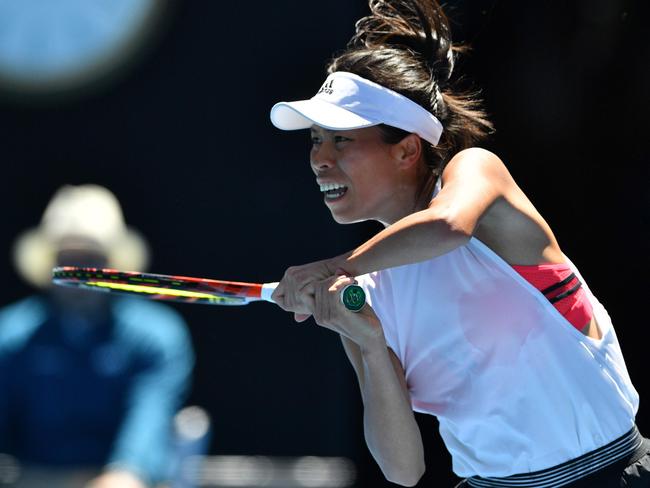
181	288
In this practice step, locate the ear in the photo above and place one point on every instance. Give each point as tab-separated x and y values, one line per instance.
408	151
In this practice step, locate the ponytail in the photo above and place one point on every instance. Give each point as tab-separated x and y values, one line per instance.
405	45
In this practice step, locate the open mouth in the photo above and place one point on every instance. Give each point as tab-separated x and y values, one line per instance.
333	191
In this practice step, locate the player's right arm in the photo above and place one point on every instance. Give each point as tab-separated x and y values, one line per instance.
390	429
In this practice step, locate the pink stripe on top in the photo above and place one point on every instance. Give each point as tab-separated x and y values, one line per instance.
575	307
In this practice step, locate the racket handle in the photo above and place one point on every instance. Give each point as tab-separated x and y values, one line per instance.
267	291
353	297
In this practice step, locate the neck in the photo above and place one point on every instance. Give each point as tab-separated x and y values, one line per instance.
412	196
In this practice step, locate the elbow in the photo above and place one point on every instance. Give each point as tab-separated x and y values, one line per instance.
453	229
460	232
405	476
405	480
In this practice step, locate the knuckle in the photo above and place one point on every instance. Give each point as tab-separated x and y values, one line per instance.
293	271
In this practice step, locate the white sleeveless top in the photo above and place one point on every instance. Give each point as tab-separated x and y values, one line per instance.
515	386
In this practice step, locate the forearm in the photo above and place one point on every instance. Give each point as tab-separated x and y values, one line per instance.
417	237
391	431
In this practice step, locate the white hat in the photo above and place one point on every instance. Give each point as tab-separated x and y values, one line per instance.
88	212
347	101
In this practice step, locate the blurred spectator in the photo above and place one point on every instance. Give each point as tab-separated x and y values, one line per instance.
90	381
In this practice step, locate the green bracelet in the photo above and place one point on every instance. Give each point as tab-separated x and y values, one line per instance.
353	298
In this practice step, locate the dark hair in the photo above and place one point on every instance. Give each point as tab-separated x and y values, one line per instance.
405	45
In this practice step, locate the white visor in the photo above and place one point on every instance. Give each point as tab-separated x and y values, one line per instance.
347	101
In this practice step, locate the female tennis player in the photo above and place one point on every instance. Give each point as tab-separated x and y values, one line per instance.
474	313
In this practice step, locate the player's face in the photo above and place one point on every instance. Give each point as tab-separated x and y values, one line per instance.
357	174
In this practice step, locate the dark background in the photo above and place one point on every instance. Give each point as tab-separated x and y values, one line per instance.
184	140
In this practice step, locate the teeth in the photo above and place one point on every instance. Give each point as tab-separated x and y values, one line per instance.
331	186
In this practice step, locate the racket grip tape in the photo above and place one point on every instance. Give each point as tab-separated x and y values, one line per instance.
353	298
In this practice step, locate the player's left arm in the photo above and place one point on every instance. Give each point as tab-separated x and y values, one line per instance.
471	183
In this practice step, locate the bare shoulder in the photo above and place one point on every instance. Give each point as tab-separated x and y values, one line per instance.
509	223
477	163
477	154
476	178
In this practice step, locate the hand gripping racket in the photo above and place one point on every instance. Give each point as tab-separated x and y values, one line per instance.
182	288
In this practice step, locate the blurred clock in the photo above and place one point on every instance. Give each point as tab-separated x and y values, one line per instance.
54	45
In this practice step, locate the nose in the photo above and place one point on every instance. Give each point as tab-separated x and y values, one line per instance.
322	157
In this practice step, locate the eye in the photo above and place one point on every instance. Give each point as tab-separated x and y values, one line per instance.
340	139
315	139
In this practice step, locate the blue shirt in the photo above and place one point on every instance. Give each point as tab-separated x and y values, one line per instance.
78	394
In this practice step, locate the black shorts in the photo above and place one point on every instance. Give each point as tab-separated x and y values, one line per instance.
632	470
